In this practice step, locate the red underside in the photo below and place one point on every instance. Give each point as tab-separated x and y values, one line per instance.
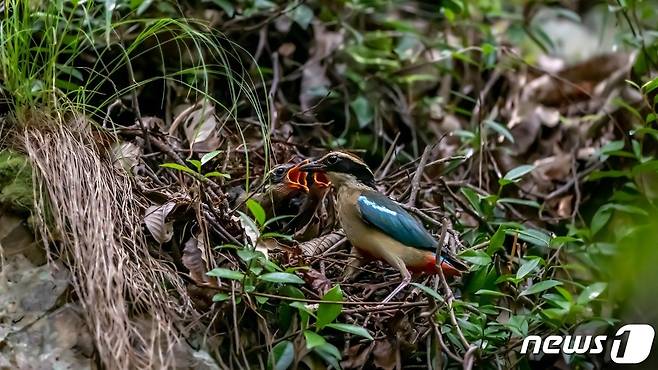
429	266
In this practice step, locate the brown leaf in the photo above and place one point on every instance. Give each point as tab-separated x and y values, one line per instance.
155	220
193	259
126	155
314	78
201	128
318	281
385	354
564	208
320	244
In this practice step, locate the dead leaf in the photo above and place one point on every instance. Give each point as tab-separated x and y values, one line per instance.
314	77
553	168
564	208
156	222
320	244
385	354
125	155
318	281
193	259
201	128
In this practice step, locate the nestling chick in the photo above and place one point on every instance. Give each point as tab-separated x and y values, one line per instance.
376	226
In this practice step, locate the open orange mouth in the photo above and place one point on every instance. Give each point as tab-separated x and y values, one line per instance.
321	179
297	178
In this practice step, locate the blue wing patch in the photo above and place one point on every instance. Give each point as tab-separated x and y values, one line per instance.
389	217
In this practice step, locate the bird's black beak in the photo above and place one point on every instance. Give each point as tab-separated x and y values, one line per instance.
314	166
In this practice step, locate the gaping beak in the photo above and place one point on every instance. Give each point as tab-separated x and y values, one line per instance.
296	178
314	166
321	179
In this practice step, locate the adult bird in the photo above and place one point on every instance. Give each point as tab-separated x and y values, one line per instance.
377	226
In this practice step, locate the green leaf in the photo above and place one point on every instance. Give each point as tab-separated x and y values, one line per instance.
515	174
178	167
532	236
527	267
195	163
302	308
591	292
226	273
328	312
429	291
476	257
523	202
500	129
473	199
281	277
329	353
363	111
220	297
352	329
226	6
283	354
600	218
302	15
313	339
494	293
496	241
540	287
217	174
256	210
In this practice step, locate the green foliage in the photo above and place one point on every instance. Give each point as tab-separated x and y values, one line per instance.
15	181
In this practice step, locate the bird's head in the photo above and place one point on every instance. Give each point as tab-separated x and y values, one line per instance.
288	176
342	168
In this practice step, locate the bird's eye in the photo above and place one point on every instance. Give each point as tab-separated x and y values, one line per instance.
332	159
279	171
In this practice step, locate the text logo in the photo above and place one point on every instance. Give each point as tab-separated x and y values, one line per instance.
638	345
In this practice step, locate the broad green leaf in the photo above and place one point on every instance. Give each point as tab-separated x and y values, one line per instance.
283	354
600	218
225	273
532	236
302	308
540	287
217	174
281	277
313	339
494	293
220	297
328	312
329	354
178	167
256	210
226	6
527	267
500	129
429	291
363	111
476	257
352	329
195	163
496	241
516	173
591	292
302	15
523	202
473	199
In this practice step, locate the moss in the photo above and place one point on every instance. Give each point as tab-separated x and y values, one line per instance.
15	181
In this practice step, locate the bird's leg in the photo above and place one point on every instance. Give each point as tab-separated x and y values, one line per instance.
406	279
353	263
